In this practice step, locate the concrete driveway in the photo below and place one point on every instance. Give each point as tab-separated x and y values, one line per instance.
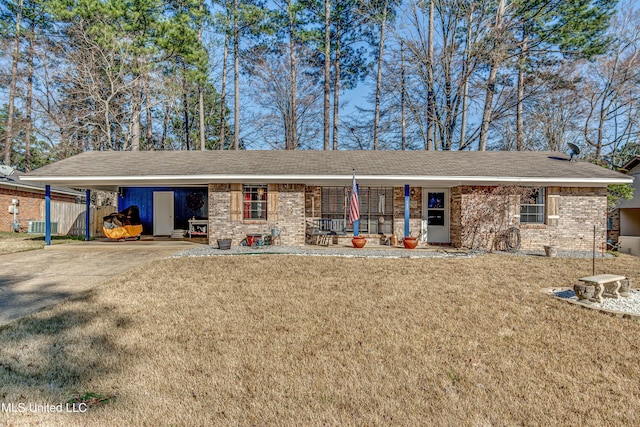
32	280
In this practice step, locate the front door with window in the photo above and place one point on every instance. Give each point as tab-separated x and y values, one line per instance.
435	213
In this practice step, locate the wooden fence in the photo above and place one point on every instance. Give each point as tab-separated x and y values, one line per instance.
71	218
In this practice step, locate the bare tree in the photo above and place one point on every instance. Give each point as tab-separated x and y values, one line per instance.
327	71
201	124
272	89
495	58
236	75
12	87
609	88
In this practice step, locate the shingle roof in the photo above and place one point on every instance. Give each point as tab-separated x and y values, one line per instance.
13	181
93	169
635	161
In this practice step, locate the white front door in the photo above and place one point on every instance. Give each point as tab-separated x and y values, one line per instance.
435	212
162	213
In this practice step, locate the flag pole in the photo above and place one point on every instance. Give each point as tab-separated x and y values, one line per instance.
354	208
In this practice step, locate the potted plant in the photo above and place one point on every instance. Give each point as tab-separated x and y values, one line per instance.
224	244
551	250
410	242
358	241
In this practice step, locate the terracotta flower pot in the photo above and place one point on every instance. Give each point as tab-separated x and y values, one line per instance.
410	242
359	242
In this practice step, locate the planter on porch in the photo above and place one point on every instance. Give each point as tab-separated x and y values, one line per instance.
410	242
551	250
224	244
358	241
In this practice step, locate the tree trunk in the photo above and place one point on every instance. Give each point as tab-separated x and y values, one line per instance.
491	81
12	87
376	120
336	92
236	76
185	107
165	127
327	70
292	144
201	116
111	142
223	91
136	107
519	108
430	81
403	136
601	124
465	84
29	100
147	106
200	90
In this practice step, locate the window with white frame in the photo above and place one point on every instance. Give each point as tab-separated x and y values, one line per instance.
254	199
532	207
376	208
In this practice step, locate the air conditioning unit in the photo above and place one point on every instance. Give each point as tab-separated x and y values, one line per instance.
38	227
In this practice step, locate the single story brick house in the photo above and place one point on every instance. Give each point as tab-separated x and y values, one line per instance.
31	197
236	193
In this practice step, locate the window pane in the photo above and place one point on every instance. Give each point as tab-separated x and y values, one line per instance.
436	200
532	209
255	202
376	207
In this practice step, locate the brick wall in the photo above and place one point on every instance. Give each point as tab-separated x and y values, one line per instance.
614	233
290	214
415	211
29	208
455	219
579	209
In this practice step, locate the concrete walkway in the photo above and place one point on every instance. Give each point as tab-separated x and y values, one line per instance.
33	280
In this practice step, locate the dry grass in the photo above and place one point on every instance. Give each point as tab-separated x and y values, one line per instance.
20	242
283	340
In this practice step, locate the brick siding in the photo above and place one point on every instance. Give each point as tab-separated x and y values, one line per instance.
415	211
290	211
579	210
614	233
29	208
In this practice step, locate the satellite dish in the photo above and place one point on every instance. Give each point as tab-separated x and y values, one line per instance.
6	170
574	150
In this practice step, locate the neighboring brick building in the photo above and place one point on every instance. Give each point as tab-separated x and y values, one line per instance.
31	200
625	220
249	192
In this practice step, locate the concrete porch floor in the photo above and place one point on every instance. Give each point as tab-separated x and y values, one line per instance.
146	242
167	243
422	247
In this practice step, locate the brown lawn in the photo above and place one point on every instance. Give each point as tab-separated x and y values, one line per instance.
289	340
20	242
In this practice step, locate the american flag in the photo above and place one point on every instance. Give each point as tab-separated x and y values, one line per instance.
354	204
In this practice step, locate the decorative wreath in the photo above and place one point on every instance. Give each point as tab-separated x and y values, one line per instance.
195	201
